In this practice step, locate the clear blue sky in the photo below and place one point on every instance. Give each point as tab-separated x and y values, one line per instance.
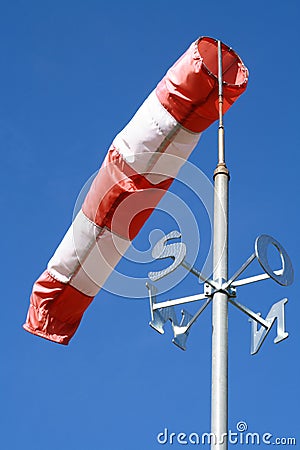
72	75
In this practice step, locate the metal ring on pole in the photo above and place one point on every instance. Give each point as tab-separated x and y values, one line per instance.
261	250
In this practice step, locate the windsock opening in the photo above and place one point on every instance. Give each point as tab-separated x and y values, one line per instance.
234	72
189	90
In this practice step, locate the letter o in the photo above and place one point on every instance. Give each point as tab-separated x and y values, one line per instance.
261	251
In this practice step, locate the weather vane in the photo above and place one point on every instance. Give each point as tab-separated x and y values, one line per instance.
161	312
220	290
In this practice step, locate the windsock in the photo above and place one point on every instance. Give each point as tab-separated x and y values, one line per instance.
140	165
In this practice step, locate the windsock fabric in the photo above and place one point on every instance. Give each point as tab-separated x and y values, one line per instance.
141	164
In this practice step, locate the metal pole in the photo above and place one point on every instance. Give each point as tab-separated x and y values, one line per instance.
219	393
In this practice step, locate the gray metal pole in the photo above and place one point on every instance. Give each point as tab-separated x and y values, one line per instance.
219	393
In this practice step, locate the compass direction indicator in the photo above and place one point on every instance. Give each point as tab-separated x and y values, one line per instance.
161	312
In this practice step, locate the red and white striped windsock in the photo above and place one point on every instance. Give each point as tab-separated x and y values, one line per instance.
139	167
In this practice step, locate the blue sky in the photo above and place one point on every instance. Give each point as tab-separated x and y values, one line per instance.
72	75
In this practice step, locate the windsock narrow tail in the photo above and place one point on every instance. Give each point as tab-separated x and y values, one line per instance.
139	167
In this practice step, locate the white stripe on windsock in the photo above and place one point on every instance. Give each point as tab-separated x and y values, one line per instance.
151	136
86	256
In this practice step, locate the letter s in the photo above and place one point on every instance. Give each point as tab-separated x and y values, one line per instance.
176	251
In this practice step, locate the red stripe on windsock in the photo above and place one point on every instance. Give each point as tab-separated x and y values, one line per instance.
121	199
55	309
